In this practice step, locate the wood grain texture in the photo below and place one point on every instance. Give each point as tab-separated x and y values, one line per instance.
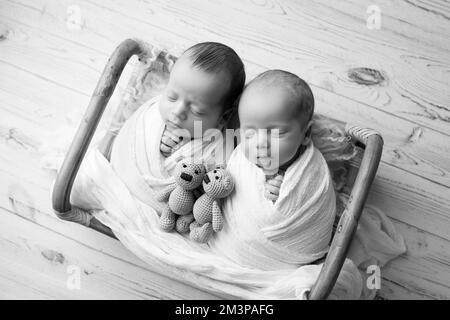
394	80
431	149
36	258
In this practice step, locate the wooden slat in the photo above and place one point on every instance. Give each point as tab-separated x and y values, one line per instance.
33	192
426	203
407	146
36	258
310	39
323	54
418	150
408	24
423	271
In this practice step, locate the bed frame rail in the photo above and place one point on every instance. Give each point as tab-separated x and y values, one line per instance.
371	140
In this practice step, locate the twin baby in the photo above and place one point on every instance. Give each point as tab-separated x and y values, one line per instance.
282	209
204	86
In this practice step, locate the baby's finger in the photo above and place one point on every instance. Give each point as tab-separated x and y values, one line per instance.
173	135
278	177
272	189
165	150
179	140
270	196
178	134
167	141
275	183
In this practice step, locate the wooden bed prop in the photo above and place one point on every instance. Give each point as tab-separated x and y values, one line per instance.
362	170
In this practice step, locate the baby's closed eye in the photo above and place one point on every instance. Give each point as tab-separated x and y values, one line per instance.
275	182
197	110
277	132
249	132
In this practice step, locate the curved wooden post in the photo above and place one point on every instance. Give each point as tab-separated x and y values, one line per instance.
99	100
350	217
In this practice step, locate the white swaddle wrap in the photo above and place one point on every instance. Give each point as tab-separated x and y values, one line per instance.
137	159
136	226
275	240
294	230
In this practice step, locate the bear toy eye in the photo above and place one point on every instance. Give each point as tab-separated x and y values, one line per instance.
196	171
184	166
215	171
217	178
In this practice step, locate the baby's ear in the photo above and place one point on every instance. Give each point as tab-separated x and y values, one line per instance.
226	116
308	131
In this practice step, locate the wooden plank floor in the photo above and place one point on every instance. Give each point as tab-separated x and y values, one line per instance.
394	80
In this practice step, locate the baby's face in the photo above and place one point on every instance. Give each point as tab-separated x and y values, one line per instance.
270	132
193	95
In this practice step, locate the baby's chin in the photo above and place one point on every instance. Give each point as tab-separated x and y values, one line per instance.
267	165
173	125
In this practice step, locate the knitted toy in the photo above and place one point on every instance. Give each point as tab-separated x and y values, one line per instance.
217	184
180	197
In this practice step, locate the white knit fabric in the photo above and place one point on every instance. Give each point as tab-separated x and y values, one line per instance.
272	241
136	226
137	159
295	230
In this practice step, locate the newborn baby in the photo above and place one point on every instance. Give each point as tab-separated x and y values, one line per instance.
281	212
277	106
203	86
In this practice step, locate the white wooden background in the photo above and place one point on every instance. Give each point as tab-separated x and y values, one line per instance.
48	71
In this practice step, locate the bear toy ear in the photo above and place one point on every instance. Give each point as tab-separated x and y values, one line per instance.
221	166
180	167
228	183
209	164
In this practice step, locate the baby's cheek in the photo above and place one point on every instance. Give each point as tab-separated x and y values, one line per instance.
250	150
208	122
164	110
287	151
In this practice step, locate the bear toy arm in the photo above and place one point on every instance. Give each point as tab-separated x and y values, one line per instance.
163	195
217	218
198	192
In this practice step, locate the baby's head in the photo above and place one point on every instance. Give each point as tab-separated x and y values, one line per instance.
275	112
203	86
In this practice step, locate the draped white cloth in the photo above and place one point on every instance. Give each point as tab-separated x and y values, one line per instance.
137	160
264	249
295	230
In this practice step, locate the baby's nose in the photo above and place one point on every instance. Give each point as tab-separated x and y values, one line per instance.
179	111
262	147
262	137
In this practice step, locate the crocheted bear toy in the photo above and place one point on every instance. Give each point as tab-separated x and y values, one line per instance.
217	184
180	196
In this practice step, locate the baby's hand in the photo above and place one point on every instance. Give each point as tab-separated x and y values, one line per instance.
272	187
169	142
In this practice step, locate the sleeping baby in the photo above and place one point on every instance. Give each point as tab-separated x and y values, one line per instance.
203	86
276	108
282	210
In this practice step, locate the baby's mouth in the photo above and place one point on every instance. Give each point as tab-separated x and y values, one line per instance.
263	162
